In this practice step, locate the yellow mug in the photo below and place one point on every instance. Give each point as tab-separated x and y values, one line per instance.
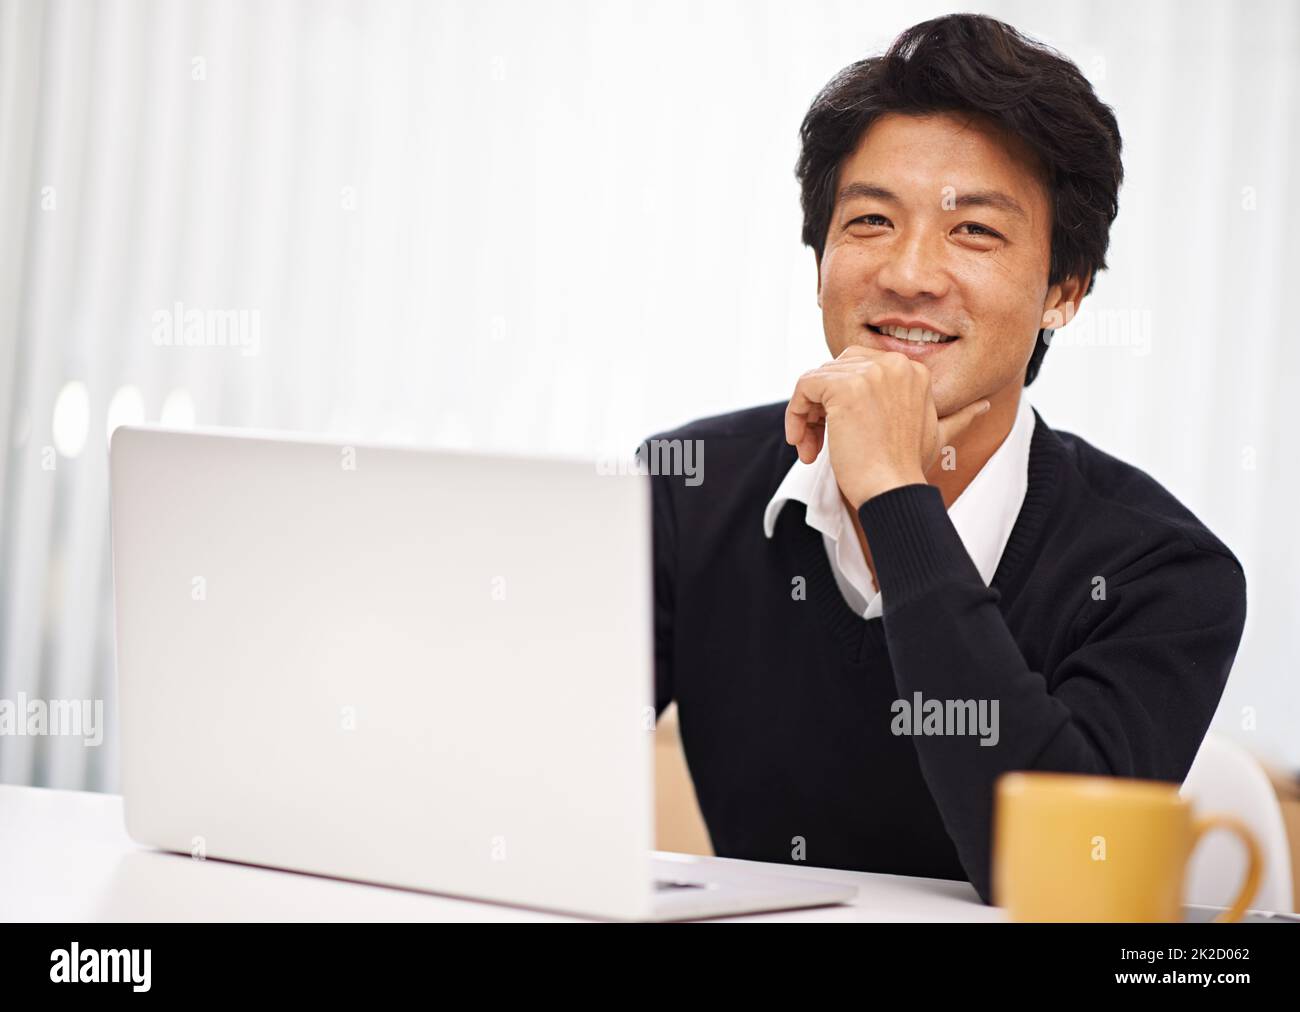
1068	847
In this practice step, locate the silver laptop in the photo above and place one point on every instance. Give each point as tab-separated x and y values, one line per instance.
423	669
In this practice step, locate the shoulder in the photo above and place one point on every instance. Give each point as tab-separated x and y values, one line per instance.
767	421
1131	501
739	459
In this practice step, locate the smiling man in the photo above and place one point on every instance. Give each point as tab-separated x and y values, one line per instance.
902	583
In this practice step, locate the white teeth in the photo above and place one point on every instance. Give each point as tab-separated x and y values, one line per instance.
914	334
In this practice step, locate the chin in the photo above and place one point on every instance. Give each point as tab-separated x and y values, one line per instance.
947	401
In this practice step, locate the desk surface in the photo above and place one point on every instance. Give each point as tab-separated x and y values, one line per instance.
65	856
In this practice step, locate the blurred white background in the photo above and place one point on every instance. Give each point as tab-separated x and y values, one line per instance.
559	227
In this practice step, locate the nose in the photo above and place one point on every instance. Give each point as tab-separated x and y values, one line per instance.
914	268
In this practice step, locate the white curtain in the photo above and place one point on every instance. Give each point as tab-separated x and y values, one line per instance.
558	227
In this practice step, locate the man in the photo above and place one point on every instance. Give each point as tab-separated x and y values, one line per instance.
903	583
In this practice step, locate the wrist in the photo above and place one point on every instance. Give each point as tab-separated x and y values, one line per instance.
886	481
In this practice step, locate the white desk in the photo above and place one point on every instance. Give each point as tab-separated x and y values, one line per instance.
65	856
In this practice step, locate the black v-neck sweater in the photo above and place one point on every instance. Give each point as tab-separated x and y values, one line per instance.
1105	639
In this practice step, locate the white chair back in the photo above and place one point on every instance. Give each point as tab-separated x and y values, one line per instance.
1226	778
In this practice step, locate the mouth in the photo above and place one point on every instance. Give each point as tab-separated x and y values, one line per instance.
913	341
913	334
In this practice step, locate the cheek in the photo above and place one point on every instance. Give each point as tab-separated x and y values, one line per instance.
1001	297
845	272
992	279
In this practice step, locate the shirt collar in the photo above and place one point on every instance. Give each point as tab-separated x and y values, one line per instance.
814	486
983	514
988	507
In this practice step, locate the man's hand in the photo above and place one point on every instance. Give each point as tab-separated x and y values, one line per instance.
877	409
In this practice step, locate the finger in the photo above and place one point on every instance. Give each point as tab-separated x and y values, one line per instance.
857	351
808	433
803	414
813	441
953	425
848	365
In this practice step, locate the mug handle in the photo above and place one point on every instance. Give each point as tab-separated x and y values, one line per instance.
1254	855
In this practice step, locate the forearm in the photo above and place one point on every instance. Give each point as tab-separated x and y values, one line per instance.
948	641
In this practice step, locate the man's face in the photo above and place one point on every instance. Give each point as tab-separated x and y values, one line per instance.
941	221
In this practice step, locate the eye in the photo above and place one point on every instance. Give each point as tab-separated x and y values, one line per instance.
870	219
979	231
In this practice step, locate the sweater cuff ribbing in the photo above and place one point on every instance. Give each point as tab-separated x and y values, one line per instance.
913	543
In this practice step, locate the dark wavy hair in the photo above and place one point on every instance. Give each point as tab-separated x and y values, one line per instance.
969	63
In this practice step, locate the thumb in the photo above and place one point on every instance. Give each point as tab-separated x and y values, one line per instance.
952	426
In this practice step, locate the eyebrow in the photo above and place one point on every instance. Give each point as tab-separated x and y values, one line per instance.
975	198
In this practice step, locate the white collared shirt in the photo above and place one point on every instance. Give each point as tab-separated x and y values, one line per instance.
983	514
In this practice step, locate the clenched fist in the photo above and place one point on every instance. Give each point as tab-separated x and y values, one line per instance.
877	410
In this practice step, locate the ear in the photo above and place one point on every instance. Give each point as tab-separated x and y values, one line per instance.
818	260
1063	301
